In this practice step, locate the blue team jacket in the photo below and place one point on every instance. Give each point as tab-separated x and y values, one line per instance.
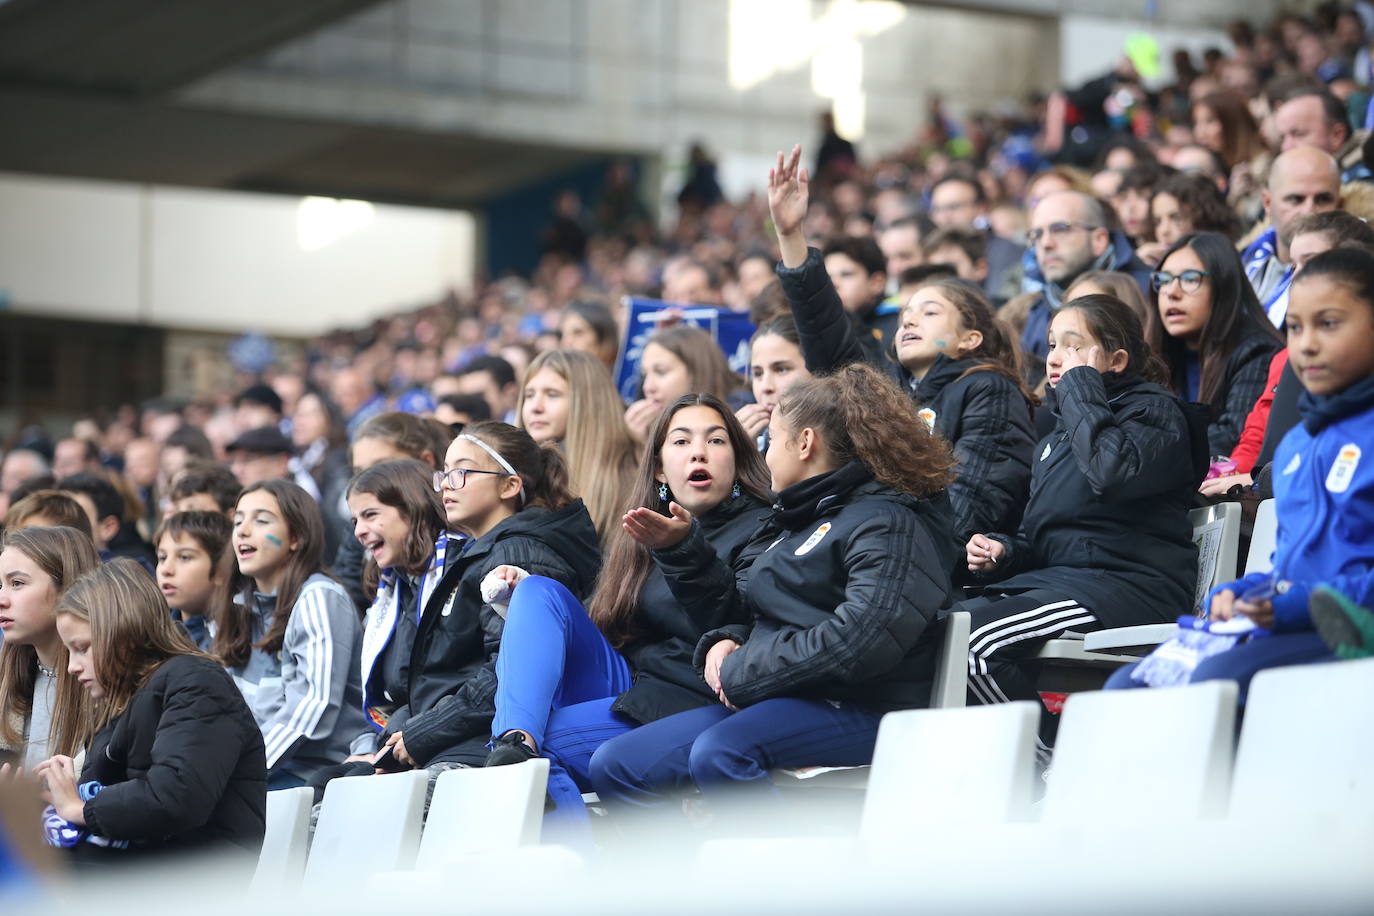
1324	492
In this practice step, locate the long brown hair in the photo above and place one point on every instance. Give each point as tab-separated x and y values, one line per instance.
597	446
615	601
861	415
1115	326
998	351
1241	139
63	555
406	485
234	636
132	632
707	367
408	434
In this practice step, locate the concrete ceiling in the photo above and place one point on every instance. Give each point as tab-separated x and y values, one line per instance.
88	89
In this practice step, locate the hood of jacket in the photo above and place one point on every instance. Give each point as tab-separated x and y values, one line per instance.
569	532
807	499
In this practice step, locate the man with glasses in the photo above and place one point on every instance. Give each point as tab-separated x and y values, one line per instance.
1069	236
1301	181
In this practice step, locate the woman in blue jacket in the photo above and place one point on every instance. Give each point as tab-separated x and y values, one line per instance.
1323	482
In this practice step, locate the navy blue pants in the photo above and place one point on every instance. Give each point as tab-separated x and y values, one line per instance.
716	750
1245	661
557	677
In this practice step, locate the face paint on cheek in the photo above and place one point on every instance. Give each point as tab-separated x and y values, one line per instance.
942	344
273	539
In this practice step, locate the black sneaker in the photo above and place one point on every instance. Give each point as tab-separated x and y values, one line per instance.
509	748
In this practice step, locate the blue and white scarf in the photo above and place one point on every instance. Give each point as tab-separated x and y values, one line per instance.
1256	259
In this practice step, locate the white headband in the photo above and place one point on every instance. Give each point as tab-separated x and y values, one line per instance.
496	456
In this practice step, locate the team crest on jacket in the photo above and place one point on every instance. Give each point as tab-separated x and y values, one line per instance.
927	417
1343	468
812	541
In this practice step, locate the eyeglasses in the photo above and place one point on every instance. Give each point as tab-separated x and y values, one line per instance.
1189	280
445	478
1056	231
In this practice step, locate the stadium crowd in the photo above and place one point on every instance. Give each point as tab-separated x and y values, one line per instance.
992	372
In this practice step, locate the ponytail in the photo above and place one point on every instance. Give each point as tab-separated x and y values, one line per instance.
543	472
862	416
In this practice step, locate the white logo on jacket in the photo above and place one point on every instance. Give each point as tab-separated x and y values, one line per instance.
927	417
1293	464
812	541
1046	453
1343	468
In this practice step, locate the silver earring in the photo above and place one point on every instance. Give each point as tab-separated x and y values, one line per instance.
663	492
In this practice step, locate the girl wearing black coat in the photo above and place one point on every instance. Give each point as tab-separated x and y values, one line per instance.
1105	541
176	762
836	594
506	503
571	679
1214	337
956	361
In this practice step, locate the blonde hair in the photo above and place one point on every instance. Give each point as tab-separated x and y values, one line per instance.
597	446
132	632
62	554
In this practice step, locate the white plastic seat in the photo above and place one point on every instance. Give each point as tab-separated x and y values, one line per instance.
367	824
286	841
1162	755
483	810
1263	538
1307	745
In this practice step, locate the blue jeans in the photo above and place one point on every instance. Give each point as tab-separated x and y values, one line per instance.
556	678
1246	660
717	750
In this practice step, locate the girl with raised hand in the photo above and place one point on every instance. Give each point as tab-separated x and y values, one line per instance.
840	588
775	363
1209	328
1323	489
508	496
290	635
42	709
956	360
175	762
1105	541
569	399
570	679
678	360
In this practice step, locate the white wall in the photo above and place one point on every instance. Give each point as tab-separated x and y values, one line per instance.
220	260
1091	46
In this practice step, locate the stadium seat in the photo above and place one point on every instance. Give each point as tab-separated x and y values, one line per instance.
1263	538
282	860
483	810
367	824
1161	755
1307	745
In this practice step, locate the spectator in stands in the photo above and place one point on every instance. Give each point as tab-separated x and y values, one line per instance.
494	379
184	444
48	509
860	502
564	675
175	763
42	711
901	244
203	487
113	534
1105	540
1211	333
1312	116
1223	124
290	635
1182	204
257	406
690	282
75	456
261	453
1112	283
569	398
677	360
20	465
1321	486
1131	202
1069	236
320	440
775	363
193	563
588	326
754	272
357	397
857	268
142	462
961	249
952	357
1303	180
508	497
458	410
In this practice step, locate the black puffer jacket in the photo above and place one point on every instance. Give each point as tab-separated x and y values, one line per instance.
453	661
840	585
981	413
182	765
1107	522
665	679
1247	370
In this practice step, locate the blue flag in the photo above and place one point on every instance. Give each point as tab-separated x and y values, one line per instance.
731	331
